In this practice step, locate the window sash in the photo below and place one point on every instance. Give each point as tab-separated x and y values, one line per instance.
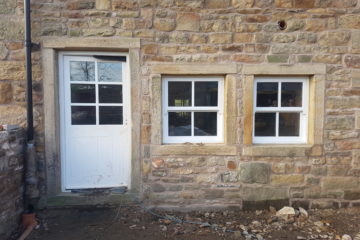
303	110
193	109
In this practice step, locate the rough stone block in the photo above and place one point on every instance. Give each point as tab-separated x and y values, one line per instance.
165	25
242	3
5	93
124	5
356	158
158	188
213	193
304	3
264	193
283	3
355	78
352	195
7	7
340	123
341	183
220	38
277	58
349	21
80	4
287	179
352	61
229	177
255	172
188	22
348	144
217	3
243	37
103	4
324	204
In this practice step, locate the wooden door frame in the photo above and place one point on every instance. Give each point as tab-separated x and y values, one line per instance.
50	51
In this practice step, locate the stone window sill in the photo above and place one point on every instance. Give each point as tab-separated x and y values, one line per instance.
194	149
277	150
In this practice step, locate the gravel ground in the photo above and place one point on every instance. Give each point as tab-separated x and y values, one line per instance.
127	223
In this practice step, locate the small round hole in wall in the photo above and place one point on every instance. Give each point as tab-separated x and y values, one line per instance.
282	24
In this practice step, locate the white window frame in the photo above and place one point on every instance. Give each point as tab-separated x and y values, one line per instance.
219	138
303	110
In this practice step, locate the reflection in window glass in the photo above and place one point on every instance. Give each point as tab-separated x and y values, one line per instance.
291	94
82	93
110	93
205	123
265	124
179	94
110	72
267	94
83	115
179	124
82	71
289	124
110	115
206	93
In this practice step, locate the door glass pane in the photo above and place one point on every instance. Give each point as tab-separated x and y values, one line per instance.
206	93
289	124
110	71
267	94
291	94
179	124
83	115
111	115
83	71
205	123
82	93
179	94
265	124
110	93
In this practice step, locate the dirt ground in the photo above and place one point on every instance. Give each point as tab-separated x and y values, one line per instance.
134	223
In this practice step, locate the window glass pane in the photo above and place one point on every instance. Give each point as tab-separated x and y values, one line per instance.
179	94
205	123
110	71
291	94
206	93
110	115
289	124
267	94
265	124
82	71
83	115
82	93
110	93
179	124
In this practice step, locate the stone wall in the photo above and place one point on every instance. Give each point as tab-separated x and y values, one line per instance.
11	180
217	31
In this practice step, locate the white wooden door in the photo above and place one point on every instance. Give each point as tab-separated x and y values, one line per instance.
95	121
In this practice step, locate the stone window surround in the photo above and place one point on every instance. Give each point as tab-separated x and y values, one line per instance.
316	74
50	49
230	109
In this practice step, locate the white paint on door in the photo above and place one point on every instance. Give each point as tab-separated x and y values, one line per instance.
95	126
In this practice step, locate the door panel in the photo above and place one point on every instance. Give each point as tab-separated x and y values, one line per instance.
95	129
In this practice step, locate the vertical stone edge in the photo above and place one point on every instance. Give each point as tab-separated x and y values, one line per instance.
319	108
134	61
248	89
156	109
230	110
51	123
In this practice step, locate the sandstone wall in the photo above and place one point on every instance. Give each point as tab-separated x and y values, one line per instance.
217	31
11	180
